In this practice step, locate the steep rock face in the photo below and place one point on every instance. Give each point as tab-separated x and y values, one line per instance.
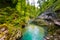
57	22
54	28
50	17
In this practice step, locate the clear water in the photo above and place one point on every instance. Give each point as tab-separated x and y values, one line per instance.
33	32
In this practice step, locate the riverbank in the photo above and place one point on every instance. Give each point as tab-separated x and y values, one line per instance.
8	32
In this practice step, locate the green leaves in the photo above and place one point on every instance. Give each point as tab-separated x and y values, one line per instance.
47	4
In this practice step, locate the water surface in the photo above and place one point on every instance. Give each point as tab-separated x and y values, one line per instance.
33	32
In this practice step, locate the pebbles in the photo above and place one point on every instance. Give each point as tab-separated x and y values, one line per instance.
54	36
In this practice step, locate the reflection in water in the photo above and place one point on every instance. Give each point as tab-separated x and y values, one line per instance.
33	32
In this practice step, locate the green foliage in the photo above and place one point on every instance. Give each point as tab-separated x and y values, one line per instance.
21	13
18	13
57	7
26	11
47	4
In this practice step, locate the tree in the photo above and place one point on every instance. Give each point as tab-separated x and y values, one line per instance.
47	4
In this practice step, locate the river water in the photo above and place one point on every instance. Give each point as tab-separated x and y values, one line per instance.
33	32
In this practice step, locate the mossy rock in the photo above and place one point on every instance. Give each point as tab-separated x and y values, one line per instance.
9	32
